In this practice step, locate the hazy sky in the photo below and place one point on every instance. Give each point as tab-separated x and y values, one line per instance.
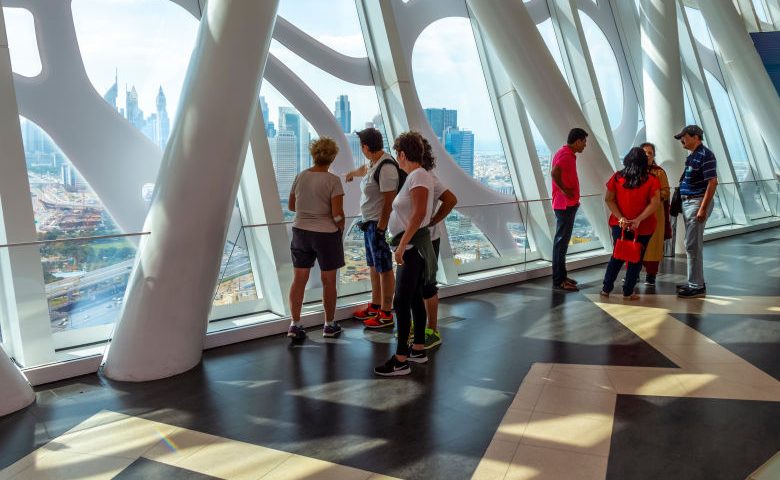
149	42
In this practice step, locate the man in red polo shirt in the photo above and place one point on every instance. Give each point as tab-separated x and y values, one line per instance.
565	202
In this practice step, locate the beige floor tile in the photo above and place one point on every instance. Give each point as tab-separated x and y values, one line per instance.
744	373
582	377
378	476
21	464
538	373
534	463
768	471
709	386
112	435
527	396
569	401
66	464
705	353
179	445
235	460
651	381
297	466
579	433
495	463
512	426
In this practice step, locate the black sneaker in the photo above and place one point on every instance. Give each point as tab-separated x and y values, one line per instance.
692	293
650	280
393	368
686	286
417	356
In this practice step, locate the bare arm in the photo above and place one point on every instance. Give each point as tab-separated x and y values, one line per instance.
387	207
712	185
448	202
611	200
337	210
557	178
358	172
420	202
291	202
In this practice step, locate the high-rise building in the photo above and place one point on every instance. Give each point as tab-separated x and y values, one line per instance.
134	113
263	105
460	144
343	113
440	120
113	93
285	158
292	121
163	124
354	145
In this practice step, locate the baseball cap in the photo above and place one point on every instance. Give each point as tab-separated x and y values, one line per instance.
692	130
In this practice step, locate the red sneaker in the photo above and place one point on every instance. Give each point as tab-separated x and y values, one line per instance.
366	313
380	320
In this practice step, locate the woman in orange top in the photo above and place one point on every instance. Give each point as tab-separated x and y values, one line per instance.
655	249
633	197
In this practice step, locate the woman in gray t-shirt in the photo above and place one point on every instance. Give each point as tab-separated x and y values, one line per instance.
317	199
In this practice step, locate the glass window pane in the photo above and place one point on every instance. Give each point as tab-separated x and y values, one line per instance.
335	23
22	43
607	70
85	282
138	60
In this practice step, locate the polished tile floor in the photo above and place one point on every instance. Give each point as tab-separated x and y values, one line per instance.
529	384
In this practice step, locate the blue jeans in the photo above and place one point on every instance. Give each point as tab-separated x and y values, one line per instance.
564	224
694	240
614	265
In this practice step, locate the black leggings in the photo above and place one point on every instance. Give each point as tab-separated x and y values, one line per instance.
408	300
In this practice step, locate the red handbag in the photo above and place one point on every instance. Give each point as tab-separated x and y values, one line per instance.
627	250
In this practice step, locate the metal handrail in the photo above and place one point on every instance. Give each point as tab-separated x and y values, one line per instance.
74	239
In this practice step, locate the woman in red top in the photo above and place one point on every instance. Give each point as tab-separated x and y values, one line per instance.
633	196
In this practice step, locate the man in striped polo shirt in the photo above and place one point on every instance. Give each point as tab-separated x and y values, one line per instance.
697	189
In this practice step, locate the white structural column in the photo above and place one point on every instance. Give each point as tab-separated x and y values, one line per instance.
22	289
510	29
751	82
662	83
161	330
15	393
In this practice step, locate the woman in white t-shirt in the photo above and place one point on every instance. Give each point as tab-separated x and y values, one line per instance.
317	198
412	210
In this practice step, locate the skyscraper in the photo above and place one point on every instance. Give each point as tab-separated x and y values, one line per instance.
113	93
264	110
343	113
440	120
292	121
460	144
163	124
285	158
354	145
134	114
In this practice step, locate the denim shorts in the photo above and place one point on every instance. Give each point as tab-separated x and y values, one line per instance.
327	248
378	254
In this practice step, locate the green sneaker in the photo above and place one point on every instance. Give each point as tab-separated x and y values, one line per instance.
432	338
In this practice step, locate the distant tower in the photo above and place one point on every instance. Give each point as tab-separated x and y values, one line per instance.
460	144
134	114
163	122
113	93
440	120
343	113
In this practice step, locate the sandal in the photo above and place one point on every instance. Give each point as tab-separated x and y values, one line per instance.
567	286
571	280
633	296
604	294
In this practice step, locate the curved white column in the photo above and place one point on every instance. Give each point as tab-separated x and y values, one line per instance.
749	78
17	392
662	82
510	29
161	330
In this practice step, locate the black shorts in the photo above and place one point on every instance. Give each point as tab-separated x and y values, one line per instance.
326	248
